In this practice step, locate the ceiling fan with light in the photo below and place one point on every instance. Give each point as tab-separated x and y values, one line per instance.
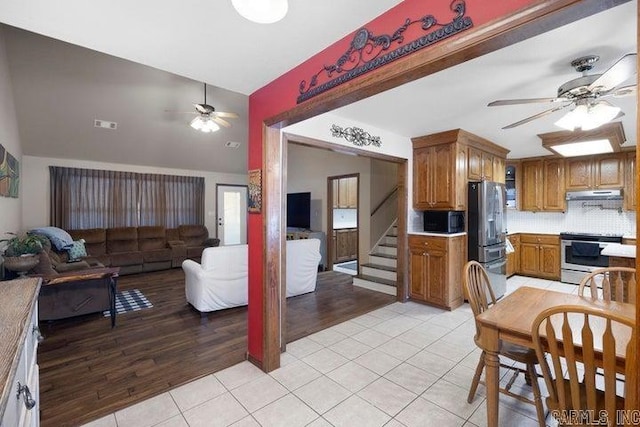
585	94
208	119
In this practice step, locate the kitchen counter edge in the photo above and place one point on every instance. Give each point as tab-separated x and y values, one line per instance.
424	233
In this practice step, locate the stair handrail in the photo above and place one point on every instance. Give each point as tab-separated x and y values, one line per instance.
387	197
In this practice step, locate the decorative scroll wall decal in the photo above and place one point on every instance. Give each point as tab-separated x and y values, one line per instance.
357	136
367	51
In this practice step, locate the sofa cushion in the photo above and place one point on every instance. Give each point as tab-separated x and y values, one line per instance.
122	239
77	250
151	237
194	252
157	255
172	234
193	235
95	240
126	258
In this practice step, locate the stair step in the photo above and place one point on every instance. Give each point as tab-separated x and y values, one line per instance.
391	261
374	285
389	250
381	255
388	245
379	266
377	280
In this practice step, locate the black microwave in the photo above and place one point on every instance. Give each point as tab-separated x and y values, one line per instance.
444	221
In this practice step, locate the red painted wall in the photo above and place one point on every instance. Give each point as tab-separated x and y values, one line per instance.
281	94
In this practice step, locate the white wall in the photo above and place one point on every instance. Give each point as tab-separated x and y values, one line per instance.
35	172
10	219
308	169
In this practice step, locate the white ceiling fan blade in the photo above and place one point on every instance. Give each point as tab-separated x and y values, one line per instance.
625	91
226	115
525	101
618	73
535	116
221	122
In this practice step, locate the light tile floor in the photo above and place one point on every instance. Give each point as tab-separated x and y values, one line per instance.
401	365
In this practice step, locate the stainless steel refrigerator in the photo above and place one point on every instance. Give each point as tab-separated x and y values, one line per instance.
487	231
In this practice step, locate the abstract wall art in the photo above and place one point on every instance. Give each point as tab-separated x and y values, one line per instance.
9	174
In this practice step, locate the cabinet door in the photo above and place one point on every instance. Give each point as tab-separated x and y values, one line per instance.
474	165
437	277
515	241
630	182
511	264
422	178
342	244
487	166
352	193
443	184
529	258
499	169
549	261
336	193
343	193
531	180
353	243
578	174
553	195
609	171
418	273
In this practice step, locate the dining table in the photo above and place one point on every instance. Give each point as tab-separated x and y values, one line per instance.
511	320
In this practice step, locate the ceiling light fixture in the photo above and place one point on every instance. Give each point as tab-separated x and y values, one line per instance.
607	138
588	116
262	11
204	123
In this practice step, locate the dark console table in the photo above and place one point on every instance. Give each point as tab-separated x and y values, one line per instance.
79	292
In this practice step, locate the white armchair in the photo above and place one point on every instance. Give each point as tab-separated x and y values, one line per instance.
221	281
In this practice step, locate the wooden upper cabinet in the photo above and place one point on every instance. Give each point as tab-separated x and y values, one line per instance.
630	182
345	193
595	172
531	188
442	164
553	187
543	185
499	169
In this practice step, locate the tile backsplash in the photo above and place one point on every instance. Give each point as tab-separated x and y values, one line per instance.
588	216
580	217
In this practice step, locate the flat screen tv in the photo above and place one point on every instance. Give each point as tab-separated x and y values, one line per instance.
299	210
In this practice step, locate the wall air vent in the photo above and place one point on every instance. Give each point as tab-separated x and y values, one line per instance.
105	124
232	144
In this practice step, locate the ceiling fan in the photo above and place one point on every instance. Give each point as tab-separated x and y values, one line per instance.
585	94
208	119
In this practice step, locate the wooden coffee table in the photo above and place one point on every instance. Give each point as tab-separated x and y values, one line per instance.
79	292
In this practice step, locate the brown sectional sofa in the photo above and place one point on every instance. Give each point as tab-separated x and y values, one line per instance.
143	249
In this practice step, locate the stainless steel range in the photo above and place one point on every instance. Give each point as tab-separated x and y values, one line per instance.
581	253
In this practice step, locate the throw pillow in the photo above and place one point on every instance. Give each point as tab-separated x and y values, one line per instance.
60	239
77	250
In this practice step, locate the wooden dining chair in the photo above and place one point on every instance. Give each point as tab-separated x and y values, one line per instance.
616	283
579	341
480	295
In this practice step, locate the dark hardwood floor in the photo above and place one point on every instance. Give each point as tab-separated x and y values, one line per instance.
88	370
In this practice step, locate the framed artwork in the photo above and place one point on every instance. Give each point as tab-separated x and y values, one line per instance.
9	174
255	191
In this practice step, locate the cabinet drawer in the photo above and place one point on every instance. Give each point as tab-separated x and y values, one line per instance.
540	238
13	412
431	243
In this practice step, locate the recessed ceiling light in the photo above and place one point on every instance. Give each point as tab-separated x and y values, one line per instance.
583	148
605	139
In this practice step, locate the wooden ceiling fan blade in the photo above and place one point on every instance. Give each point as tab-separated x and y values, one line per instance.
221	122
226	115
525	101
616	74
535	116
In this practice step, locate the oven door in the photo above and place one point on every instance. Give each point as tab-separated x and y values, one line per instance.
574	260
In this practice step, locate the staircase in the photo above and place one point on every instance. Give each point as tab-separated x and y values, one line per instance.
379	273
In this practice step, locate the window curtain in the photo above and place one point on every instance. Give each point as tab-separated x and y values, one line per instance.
88	198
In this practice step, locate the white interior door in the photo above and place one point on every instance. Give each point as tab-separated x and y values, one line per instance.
232	214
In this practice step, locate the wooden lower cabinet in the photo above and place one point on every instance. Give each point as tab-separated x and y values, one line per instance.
346	245
513	259
435	269
540	256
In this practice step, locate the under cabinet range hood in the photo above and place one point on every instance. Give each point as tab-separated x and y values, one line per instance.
595	195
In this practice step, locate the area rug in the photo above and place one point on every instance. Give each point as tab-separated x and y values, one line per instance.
131	300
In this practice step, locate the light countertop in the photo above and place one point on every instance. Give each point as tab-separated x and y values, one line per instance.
618	250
